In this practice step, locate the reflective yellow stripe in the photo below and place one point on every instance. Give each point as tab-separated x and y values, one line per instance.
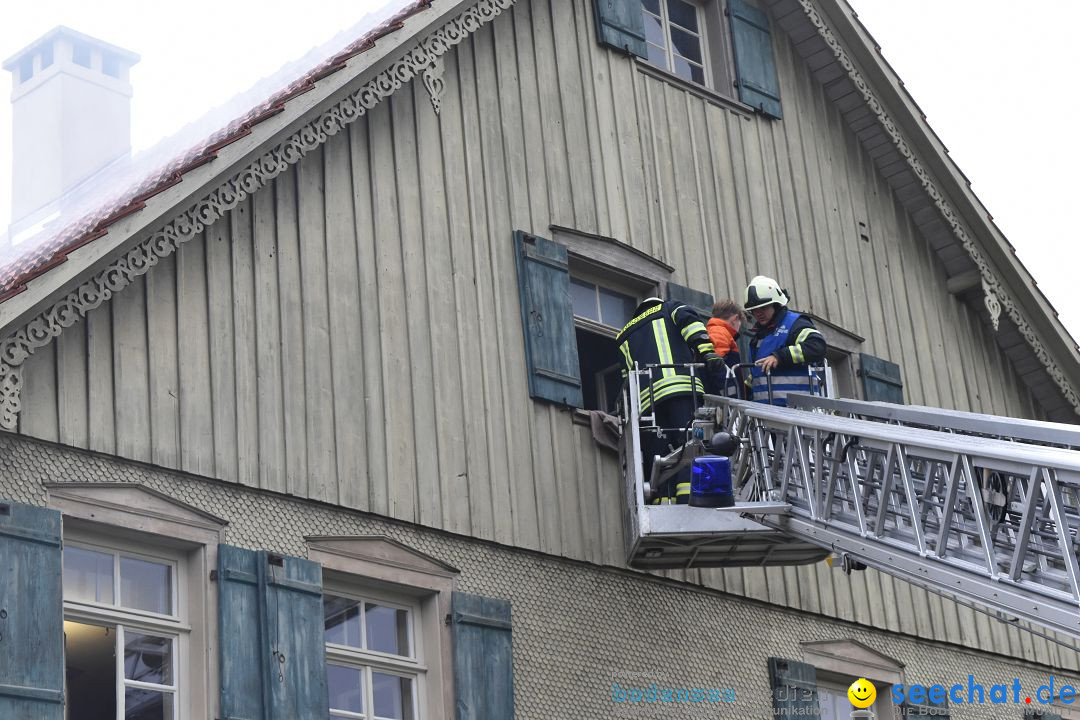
694	328
663	347
625	349
705	348
666	387
807	332
682	489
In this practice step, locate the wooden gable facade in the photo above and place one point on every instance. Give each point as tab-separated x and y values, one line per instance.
351	331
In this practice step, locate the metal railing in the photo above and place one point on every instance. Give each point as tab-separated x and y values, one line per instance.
990	520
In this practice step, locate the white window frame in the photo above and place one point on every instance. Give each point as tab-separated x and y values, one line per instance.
412	666
132	520
702	35
383	570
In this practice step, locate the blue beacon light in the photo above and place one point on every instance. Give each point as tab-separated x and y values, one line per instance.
710	482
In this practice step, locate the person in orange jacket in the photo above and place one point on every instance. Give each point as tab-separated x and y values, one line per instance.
723	328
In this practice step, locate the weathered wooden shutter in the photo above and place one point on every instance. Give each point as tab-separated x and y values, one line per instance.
794	686
483	662
31	613
697	299
1039	715
929	710
755	69
880	379
270	623
548	319
621	25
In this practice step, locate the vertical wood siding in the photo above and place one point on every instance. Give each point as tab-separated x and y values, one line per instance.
351	334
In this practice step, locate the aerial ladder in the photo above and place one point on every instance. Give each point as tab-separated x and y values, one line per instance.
981	508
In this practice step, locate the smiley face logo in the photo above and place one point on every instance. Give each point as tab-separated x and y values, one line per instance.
862	693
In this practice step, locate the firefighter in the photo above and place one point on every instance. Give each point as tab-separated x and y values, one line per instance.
784	343
668	333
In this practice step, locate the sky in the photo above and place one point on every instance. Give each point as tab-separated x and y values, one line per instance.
994	78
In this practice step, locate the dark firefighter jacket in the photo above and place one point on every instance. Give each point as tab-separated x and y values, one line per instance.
665	333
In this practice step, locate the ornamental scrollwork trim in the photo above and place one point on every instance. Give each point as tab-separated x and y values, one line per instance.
434	83
995	295
42	329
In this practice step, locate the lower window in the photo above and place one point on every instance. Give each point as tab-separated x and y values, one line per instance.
122	633
373	659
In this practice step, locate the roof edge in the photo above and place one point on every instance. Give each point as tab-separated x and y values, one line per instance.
1007	284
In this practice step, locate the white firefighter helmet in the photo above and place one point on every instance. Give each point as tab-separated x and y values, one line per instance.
763	291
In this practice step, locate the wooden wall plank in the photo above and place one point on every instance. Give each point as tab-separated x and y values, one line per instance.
318	380
71	386
247	397
291	298
99	368
343	289
39	419
163	352
193	329
268	345
222	352
131	375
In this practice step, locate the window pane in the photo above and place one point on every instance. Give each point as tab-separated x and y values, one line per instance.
88	575
346	688
583	298
687	45
616	309
342	619
90	669
387	630
147	704
146	585
689	71
147	658
682	13
657	56
654	31
393	696
652	6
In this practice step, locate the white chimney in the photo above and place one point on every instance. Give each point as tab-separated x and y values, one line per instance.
71	118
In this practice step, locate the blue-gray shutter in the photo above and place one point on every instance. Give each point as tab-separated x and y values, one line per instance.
547	316
755	69
697	299
270	626
620	24
1040	715
880	379
31	613
483	662
928	710
794	686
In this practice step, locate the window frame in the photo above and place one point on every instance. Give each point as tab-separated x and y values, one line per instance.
367	660
377	567
703	35
135	520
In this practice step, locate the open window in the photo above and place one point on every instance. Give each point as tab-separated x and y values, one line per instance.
603	302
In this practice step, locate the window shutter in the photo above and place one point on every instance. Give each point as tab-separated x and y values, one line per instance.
755	70
928	709
273	652
548	320
483	663
880	379
31	613
697	299
621	25
1039	715
794	686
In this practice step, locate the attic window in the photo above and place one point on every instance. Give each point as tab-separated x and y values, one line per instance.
110	65
46	56
673	31
80	54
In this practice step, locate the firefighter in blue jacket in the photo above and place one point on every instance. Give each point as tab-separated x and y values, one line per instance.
668	333
784	344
